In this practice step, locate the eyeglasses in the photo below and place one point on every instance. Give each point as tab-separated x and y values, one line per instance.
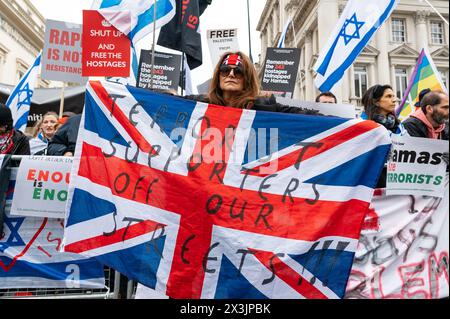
225	70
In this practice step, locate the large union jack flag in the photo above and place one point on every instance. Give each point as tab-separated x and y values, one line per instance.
201	201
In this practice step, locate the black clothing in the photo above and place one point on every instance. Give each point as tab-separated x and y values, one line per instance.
65	138
183	35
21	144
417	128
269	104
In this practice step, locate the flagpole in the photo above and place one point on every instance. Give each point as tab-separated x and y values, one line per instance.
153	46
61	103
249	33
435	10
183	75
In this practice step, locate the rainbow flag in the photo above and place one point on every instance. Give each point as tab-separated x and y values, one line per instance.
425	76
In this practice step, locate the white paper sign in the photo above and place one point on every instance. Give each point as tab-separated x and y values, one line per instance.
41	187
403	249
416	167
220	42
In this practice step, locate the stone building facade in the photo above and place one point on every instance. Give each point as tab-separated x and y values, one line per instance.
22	30
388	59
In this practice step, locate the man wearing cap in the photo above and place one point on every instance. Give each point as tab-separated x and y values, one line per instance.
431	119
12	141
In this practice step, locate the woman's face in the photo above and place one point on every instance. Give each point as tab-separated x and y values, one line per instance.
231	80
387	102
48	126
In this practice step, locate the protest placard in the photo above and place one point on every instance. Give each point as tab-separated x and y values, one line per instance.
41	187
166	72
403	249
415	167
62	54
280	70
106	50
340	110
220	42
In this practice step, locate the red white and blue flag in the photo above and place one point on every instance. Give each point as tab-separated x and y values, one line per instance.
201	201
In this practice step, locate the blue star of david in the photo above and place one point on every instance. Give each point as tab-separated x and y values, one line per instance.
25	95
14	239
358	25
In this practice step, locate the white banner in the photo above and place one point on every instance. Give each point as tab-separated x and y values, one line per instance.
220	42
30	254
415	167
403	249
41	187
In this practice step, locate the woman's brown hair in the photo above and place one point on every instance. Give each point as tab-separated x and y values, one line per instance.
244	99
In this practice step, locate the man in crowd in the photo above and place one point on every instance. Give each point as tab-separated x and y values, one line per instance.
431	119
326	97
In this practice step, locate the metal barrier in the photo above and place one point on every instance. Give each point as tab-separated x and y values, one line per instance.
112	290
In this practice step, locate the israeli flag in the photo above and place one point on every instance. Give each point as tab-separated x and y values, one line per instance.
358	24
282	40
20	99
142	15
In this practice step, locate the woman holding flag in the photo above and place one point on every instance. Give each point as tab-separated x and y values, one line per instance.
236	84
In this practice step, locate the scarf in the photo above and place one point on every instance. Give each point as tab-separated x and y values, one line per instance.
6	142
432	132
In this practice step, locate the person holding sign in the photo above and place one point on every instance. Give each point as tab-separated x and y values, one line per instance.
43	131
235	83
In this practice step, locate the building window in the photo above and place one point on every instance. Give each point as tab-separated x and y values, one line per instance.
444	76
401	80
361	81
437	32
398	30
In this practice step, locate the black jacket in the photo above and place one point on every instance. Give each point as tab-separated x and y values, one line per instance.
65	138
416	128
269	104
21	144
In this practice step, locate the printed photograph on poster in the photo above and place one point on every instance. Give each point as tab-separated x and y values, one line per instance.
166	72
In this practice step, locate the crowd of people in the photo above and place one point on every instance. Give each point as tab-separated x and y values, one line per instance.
235	83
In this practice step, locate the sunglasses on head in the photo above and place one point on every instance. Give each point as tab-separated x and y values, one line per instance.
225	70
